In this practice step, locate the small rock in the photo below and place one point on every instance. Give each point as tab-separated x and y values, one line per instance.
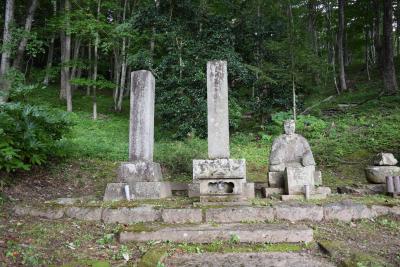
385	159
377	174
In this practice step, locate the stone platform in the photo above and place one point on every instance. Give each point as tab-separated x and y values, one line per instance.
207	233
266	259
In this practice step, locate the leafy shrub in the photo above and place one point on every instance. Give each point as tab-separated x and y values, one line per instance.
29	135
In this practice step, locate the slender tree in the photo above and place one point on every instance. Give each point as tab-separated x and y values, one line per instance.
5	56
28	26
389	73
340	44
96	56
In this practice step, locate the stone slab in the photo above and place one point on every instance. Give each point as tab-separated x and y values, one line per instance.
206	233
276	179
182	216
139	171
318	178
221	187
219	168
297	177
240	214
115	192
299	213
302	197
217	109
131	215
347	211
265	259
228	204
51	214
150	190
194	189
368	189
377	174
249	191
141	120
385	159
85	214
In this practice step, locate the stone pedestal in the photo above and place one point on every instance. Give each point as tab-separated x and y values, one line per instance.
277	179
221	180
297	177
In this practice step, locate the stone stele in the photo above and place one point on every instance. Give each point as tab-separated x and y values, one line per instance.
143	176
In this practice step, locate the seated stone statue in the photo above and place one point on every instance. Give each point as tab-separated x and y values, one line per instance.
291	150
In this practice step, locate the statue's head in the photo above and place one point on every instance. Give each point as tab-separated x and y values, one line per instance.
289	126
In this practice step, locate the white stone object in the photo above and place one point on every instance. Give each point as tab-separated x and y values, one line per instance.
297	177
307	191
141	123
377	174
127	194
218	112
385	159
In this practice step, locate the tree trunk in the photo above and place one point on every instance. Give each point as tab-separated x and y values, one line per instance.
123	67
96	45
67	57
77	46
342	74
311	25
116	77
5	56
28	26
89	68
389	73
49	61
367	53
377	33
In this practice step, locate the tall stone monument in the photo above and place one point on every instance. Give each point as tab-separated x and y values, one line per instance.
219	178
141	174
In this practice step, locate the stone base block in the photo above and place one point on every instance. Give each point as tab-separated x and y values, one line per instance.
297	177
220	199
150	190
249	190
269	191
115	192
219	168
194	189
139	171
377	174
276	179
318	178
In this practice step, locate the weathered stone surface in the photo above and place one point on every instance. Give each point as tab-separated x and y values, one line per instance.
177	186
240	214
276	179
297	177
318	178
219	168
322	190
86	214
249	191
206	233
302	197
182	216
299	213
66	200
139	171
269	259
395	210
377	174
115	192
131	215
218	113
269	191
194	189
150	190
221	187
141	122
380	210
385	159
51	214
288	149
347	212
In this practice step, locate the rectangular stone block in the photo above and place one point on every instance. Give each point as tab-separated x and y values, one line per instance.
302	197
276	179
221	187
249	190
205	233
150	190
115	192
194	189
217	109
318	178
182	216
347	212
85	214
139	171
269	191
297	177
51	214
131	215
240	214
219	168
141	121
299	213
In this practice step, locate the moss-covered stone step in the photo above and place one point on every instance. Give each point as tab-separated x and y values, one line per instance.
240	233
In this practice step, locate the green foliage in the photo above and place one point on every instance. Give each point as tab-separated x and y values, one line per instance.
29	135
